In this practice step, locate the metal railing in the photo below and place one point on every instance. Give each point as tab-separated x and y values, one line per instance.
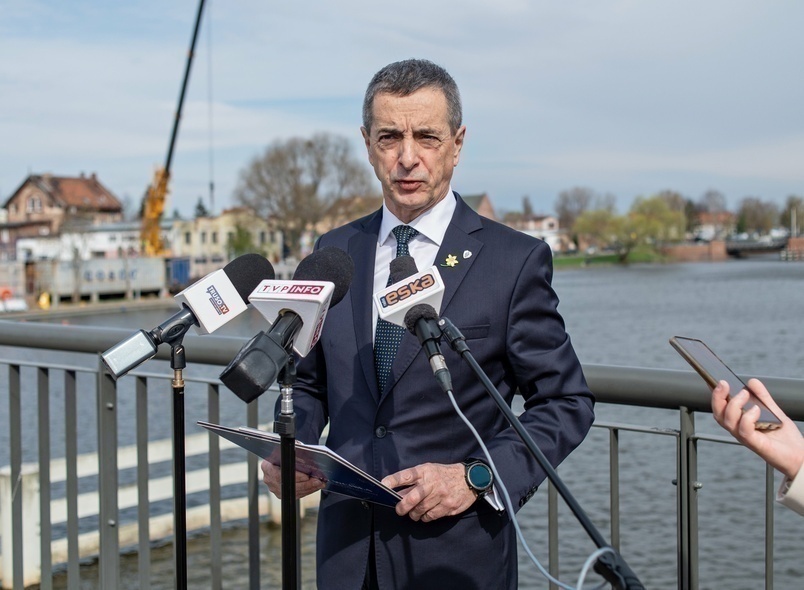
677	390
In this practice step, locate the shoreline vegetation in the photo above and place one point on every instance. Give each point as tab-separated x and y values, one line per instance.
636	256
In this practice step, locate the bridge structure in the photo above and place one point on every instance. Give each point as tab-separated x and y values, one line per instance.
745	248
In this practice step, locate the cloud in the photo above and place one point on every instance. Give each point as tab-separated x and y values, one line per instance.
627	95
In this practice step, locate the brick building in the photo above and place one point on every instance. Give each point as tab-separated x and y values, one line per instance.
44	205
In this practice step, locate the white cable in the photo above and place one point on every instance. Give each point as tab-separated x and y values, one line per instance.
498	483
588	564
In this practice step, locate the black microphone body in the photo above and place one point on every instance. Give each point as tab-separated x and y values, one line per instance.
422	321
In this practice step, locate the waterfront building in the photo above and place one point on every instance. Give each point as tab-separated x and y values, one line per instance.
44	205
211	242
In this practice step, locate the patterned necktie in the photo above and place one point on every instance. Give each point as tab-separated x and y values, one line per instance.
388	335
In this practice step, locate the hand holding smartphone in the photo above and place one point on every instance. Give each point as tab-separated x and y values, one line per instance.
713	370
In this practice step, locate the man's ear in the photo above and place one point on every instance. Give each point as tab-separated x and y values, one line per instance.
458	140
367	141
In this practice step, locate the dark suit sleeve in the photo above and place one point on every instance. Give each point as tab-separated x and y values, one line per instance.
558	404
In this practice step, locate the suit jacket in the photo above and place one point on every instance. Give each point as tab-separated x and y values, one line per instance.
499	295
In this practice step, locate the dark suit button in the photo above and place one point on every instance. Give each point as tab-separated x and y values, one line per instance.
364	504
380	432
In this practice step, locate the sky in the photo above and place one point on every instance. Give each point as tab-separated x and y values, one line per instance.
625	97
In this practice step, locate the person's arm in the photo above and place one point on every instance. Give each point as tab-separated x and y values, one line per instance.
791	492
558	404
782	448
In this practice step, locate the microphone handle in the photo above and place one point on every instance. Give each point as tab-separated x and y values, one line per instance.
174	328
287	325
429	334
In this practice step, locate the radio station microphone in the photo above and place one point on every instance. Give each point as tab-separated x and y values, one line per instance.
401	268
296	311
207	304
421	320
408	288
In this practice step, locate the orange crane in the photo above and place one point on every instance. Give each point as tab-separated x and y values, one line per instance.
156	195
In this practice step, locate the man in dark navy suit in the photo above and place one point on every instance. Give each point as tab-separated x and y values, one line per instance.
385	411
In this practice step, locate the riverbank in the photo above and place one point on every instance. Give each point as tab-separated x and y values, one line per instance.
637	256
87	308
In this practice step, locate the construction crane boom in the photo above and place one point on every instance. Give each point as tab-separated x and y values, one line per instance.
156	195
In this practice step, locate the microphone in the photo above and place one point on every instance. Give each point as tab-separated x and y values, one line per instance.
402	267
207	304
296	311
422	321
407	290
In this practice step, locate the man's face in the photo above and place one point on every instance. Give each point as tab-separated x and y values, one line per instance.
412	150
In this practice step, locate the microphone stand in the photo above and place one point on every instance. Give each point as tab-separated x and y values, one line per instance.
285	427
178	362
610	565
172	332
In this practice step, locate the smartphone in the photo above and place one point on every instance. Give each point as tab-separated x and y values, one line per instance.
713	370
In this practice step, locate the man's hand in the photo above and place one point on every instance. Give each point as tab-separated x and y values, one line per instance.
783	448
435	490
305	485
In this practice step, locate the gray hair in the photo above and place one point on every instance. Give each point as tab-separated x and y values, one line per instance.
403	78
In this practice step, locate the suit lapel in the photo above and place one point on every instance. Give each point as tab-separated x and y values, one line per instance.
459	243
362	249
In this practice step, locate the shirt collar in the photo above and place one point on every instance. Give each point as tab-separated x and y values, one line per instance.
432	224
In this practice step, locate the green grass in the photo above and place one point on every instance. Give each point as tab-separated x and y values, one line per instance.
638	255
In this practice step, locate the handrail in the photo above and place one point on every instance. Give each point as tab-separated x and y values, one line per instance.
214	350
638	386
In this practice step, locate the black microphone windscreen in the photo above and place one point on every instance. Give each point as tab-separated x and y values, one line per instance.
418	312
328	264
402	267
255	367
248	271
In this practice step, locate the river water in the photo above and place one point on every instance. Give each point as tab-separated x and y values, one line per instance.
749	312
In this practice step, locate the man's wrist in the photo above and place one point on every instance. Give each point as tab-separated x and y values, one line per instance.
479	477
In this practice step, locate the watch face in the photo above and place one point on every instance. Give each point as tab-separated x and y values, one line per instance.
480	476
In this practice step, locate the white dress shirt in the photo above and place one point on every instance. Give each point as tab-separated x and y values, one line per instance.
431	225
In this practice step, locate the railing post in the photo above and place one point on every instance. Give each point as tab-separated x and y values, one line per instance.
143	503
44	529
770	494
687	486
107	479
552	533
25	492
614	486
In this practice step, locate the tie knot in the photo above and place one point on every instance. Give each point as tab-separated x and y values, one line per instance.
403	234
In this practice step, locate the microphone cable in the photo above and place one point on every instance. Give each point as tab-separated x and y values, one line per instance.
498	483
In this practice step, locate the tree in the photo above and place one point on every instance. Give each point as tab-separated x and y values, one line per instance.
527	208
792	216
200	209
677	202
756	215
597	227
650	221
241	242
656	221
713	201
571	204
294	181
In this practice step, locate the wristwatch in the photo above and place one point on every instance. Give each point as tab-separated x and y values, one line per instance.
478	476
